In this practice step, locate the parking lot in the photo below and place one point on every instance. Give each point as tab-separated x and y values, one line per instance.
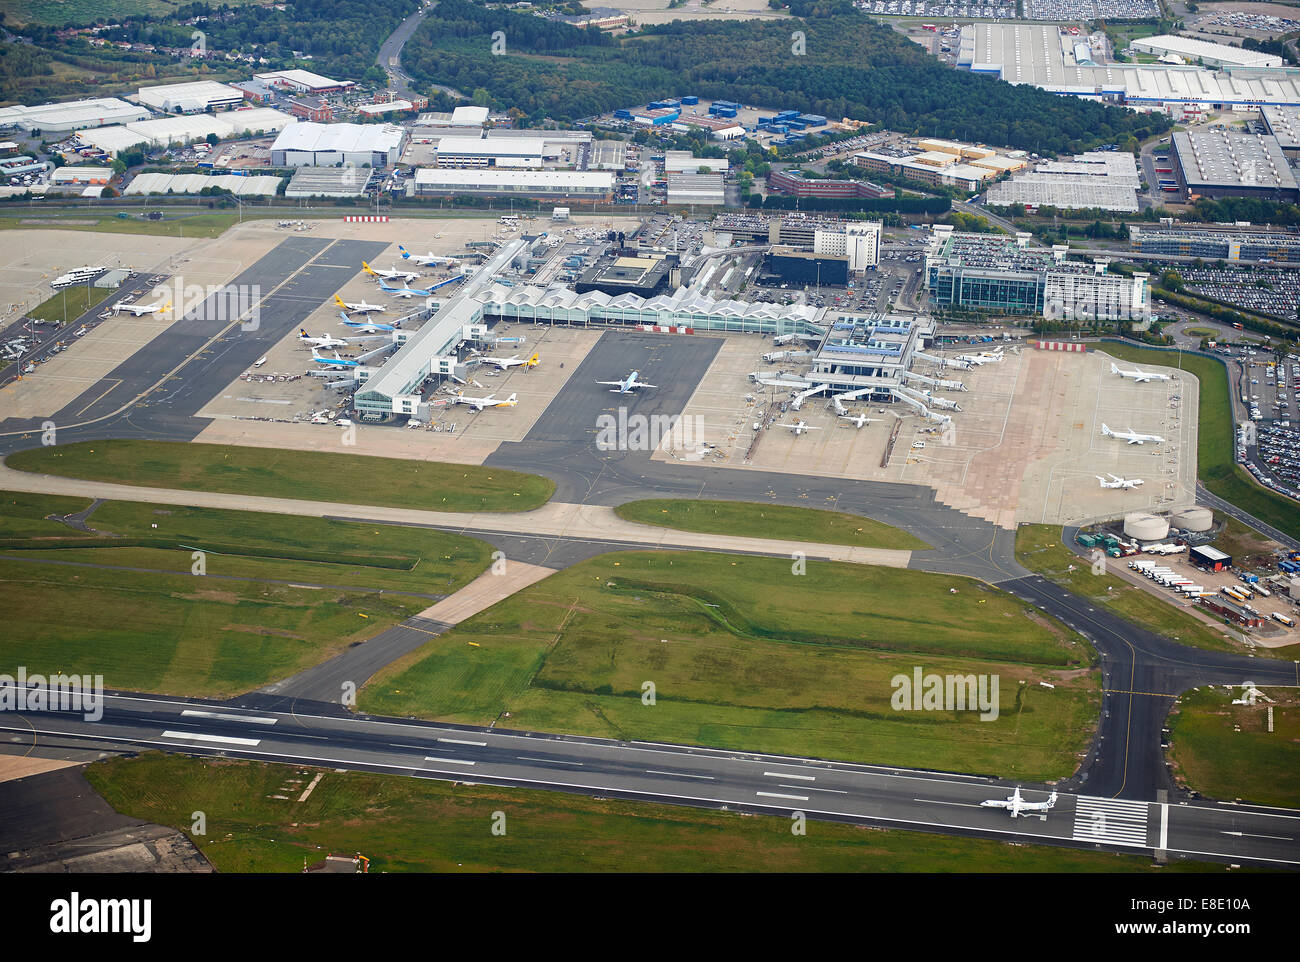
1275	292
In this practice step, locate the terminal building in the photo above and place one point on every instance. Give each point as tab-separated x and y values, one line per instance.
1217	242
1222	163
998	274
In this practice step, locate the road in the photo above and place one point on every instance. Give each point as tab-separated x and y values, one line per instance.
390	57
260	728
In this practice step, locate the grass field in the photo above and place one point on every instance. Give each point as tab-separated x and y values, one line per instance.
750	520
69	303
1039	548
59	12
175	224
1216	442
416	825
1226	751
744	654
304	475
178	633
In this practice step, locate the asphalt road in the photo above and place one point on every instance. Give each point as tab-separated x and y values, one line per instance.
256	728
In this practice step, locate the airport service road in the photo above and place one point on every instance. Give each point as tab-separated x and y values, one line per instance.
700	777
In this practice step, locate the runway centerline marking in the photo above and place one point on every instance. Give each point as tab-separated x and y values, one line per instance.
447	761
462	741
651	771
796	798
802	778
218	739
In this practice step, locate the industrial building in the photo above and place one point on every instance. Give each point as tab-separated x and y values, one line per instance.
579	184
81	175
1223	163
460	117
166	131
1004	275
303	81
327	145
519	152
259	186
1217	242
794	184
1208	54
1284	124
328	182
684	162
58	120
706	189
1106	179
628	272
191	98
1209	559
805	268
719	128
1045	57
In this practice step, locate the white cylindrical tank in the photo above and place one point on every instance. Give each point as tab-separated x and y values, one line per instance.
1193	519
1145	527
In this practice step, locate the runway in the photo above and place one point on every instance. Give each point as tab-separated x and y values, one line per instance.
258	728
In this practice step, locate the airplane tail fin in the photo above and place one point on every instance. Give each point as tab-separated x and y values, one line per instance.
513	399
1051	800
339	301
1104	428
366	267
302	332
535	359
1114	369
404	252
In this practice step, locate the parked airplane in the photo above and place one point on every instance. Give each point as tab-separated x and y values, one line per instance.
627	385
1017	806
137	308
409	291
1131	436
360	308
323	341
389	275
858	420
367	327
1117	482
426	260
506	363
799	428
1137	374
333	362
983	357
491	401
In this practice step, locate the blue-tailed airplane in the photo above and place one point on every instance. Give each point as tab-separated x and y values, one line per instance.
408	291
367	327
426	260
627	385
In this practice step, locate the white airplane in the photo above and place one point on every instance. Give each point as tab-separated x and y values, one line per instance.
1117	482
323	341
491	401
858	420
627	385
984	357
426	260
506	363
360	308
367	327
389	275
1138	374
1017	806
1131	436
137	308
800	427
409	291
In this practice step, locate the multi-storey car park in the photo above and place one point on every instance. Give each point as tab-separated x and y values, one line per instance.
1214	242
1005	275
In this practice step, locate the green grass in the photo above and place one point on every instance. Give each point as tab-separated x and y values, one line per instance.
59	12
1039	548
69	303
1226	751
302	475
750	520
416	825
743	654
1200	332
178	633
1216	440
174	224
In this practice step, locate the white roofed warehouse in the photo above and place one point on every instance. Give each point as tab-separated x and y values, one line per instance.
439	181
191	98
331	145
56	120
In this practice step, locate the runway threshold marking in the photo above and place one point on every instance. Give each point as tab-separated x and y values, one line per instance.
796	798
224	716
1111	820
217	739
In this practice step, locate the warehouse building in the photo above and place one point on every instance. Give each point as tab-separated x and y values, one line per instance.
1106	179
191	98
706	189
719	128
684	162
595	185
1216	242
1206	53
460	117
1004	275
1041	55
1222	163
483	152
303	81
1209	559
329	145
58	120
1284	124
328	182
166	131
82	176
259	186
